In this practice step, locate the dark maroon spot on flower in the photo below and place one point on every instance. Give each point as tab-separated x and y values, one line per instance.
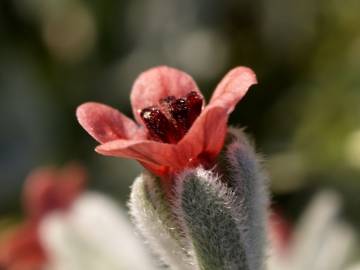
179	111
194	102
160	128
170	122
167	100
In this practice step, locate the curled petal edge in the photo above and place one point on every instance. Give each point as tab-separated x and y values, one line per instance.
233	88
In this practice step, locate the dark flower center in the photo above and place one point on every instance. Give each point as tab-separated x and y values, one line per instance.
169	121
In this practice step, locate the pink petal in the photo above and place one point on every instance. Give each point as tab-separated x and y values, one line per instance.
157	83
22	249
36	186
151	153
206	136
73	172
105	123
71	183
48	189
280	230
232	88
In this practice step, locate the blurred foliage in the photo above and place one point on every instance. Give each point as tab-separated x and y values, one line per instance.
304	114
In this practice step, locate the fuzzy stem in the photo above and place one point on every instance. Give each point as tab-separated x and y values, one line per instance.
153	217
206	209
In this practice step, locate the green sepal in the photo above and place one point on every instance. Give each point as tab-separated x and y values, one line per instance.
151	212
205	206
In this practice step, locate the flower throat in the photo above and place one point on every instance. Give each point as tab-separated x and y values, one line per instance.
169	121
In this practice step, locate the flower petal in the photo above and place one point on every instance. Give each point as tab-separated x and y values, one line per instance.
206	136
157	83
232	88
22	249
151	153
105	123
36	189
48	189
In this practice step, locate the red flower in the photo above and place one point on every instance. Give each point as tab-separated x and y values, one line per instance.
22	250
280	230
174	129
45	190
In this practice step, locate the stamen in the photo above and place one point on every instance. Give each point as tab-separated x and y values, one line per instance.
194	102
179	112
160	128
173	118
165	106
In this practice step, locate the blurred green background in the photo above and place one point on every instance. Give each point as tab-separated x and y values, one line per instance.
304	114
